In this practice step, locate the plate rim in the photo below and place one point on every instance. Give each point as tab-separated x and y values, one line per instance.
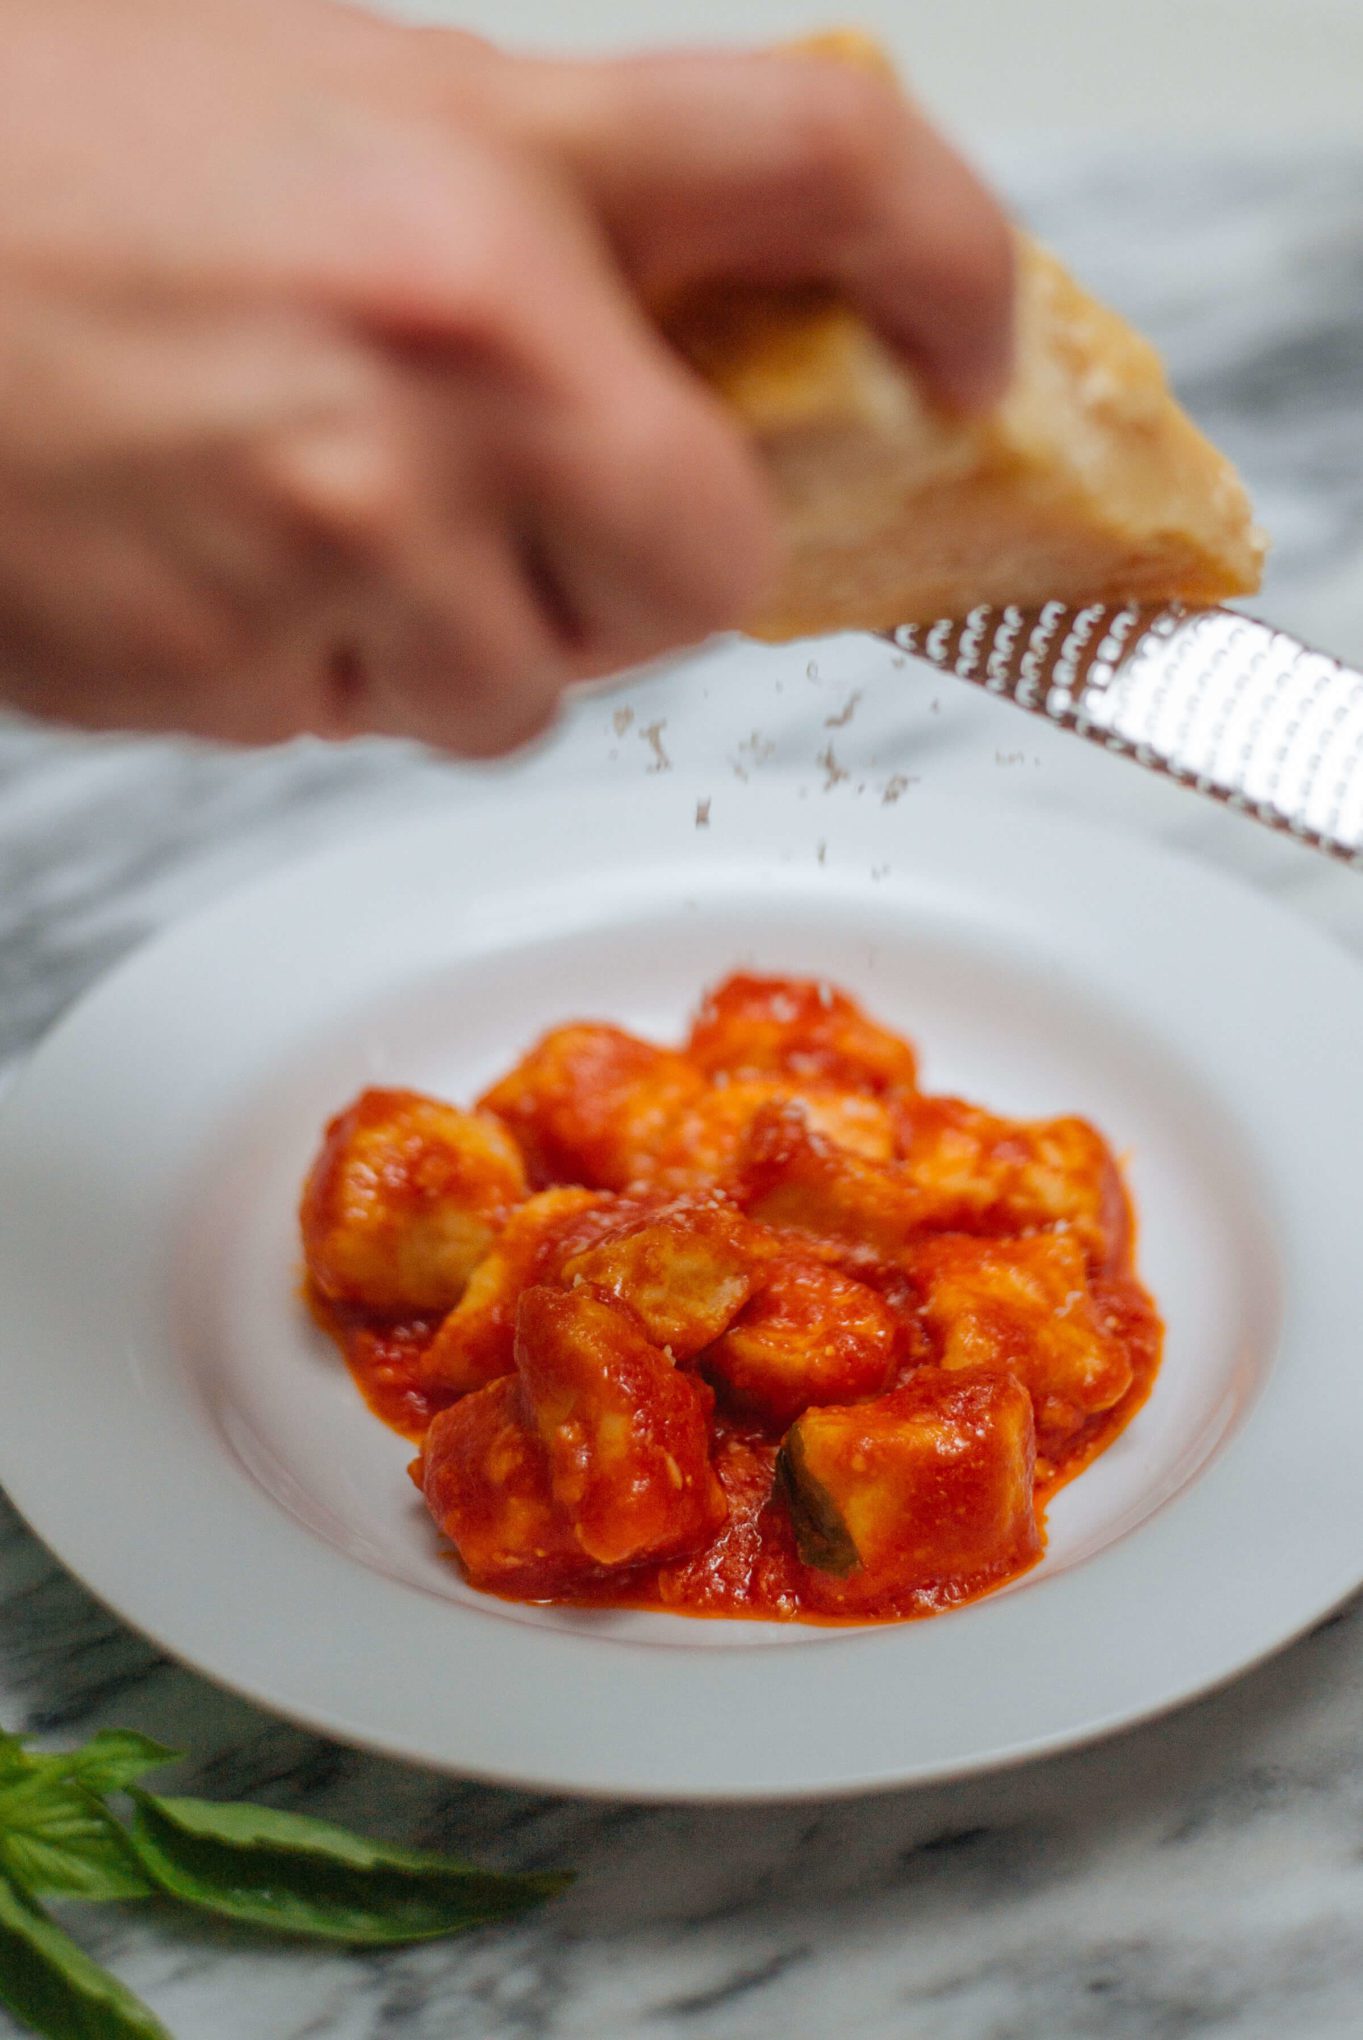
311	870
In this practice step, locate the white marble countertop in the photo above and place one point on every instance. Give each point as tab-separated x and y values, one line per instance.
1200	1876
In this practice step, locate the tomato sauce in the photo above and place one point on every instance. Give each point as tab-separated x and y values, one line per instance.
751	1570
384	1358
748	1336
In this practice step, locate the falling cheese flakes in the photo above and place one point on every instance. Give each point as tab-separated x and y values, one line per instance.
845	713
755	748
898	785
652	734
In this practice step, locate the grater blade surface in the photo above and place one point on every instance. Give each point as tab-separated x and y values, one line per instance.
1220	702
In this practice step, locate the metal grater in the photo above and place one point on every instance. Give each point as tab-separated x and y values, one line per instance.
1220	702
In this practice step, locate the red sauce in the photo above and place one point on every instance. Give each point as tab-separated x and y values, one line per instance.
828	1210
751	1570
384	1361
1141	1329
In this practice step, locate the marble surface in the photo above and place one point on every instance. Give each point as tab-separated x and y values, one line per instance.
1200	1876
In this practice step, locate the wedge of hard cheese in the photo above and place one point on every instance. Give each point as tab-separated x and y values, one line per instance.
1088	483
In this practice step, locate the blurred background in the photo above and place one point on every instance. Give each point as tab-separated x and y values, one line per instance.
1242	70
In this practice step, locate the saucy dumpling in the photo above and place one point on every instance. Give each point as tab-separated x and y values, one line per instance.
1024	1308
590	1103
626	1433
404	1200
797	1027
927	1488
810	1335
751	1328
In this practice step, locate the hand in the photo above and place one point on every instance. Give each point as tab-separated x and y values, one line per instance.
327	401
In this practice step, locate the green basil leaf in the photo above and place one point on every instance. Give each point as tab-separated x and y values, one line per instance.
56	1837
14	1758
111	1760
303	1876
48	1981
17	1760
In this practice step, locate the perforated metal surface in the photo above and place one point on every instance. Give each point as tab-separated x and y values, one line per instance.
1218	701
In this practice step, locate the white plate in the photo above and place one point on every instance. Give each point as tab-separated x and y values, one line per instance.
194	1452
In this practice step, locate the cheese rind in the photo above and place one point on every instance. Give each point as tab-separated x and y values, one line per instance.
1087	483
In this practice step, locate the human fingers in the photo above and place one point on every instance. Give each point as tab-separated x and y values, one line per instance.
643	514
776	167
456	651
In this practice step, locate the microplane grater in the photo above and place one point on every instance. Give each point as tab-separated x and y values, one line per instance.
1217	701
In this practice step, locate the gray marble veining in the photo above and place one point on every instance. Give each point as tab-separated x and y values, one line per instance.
1202	1876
